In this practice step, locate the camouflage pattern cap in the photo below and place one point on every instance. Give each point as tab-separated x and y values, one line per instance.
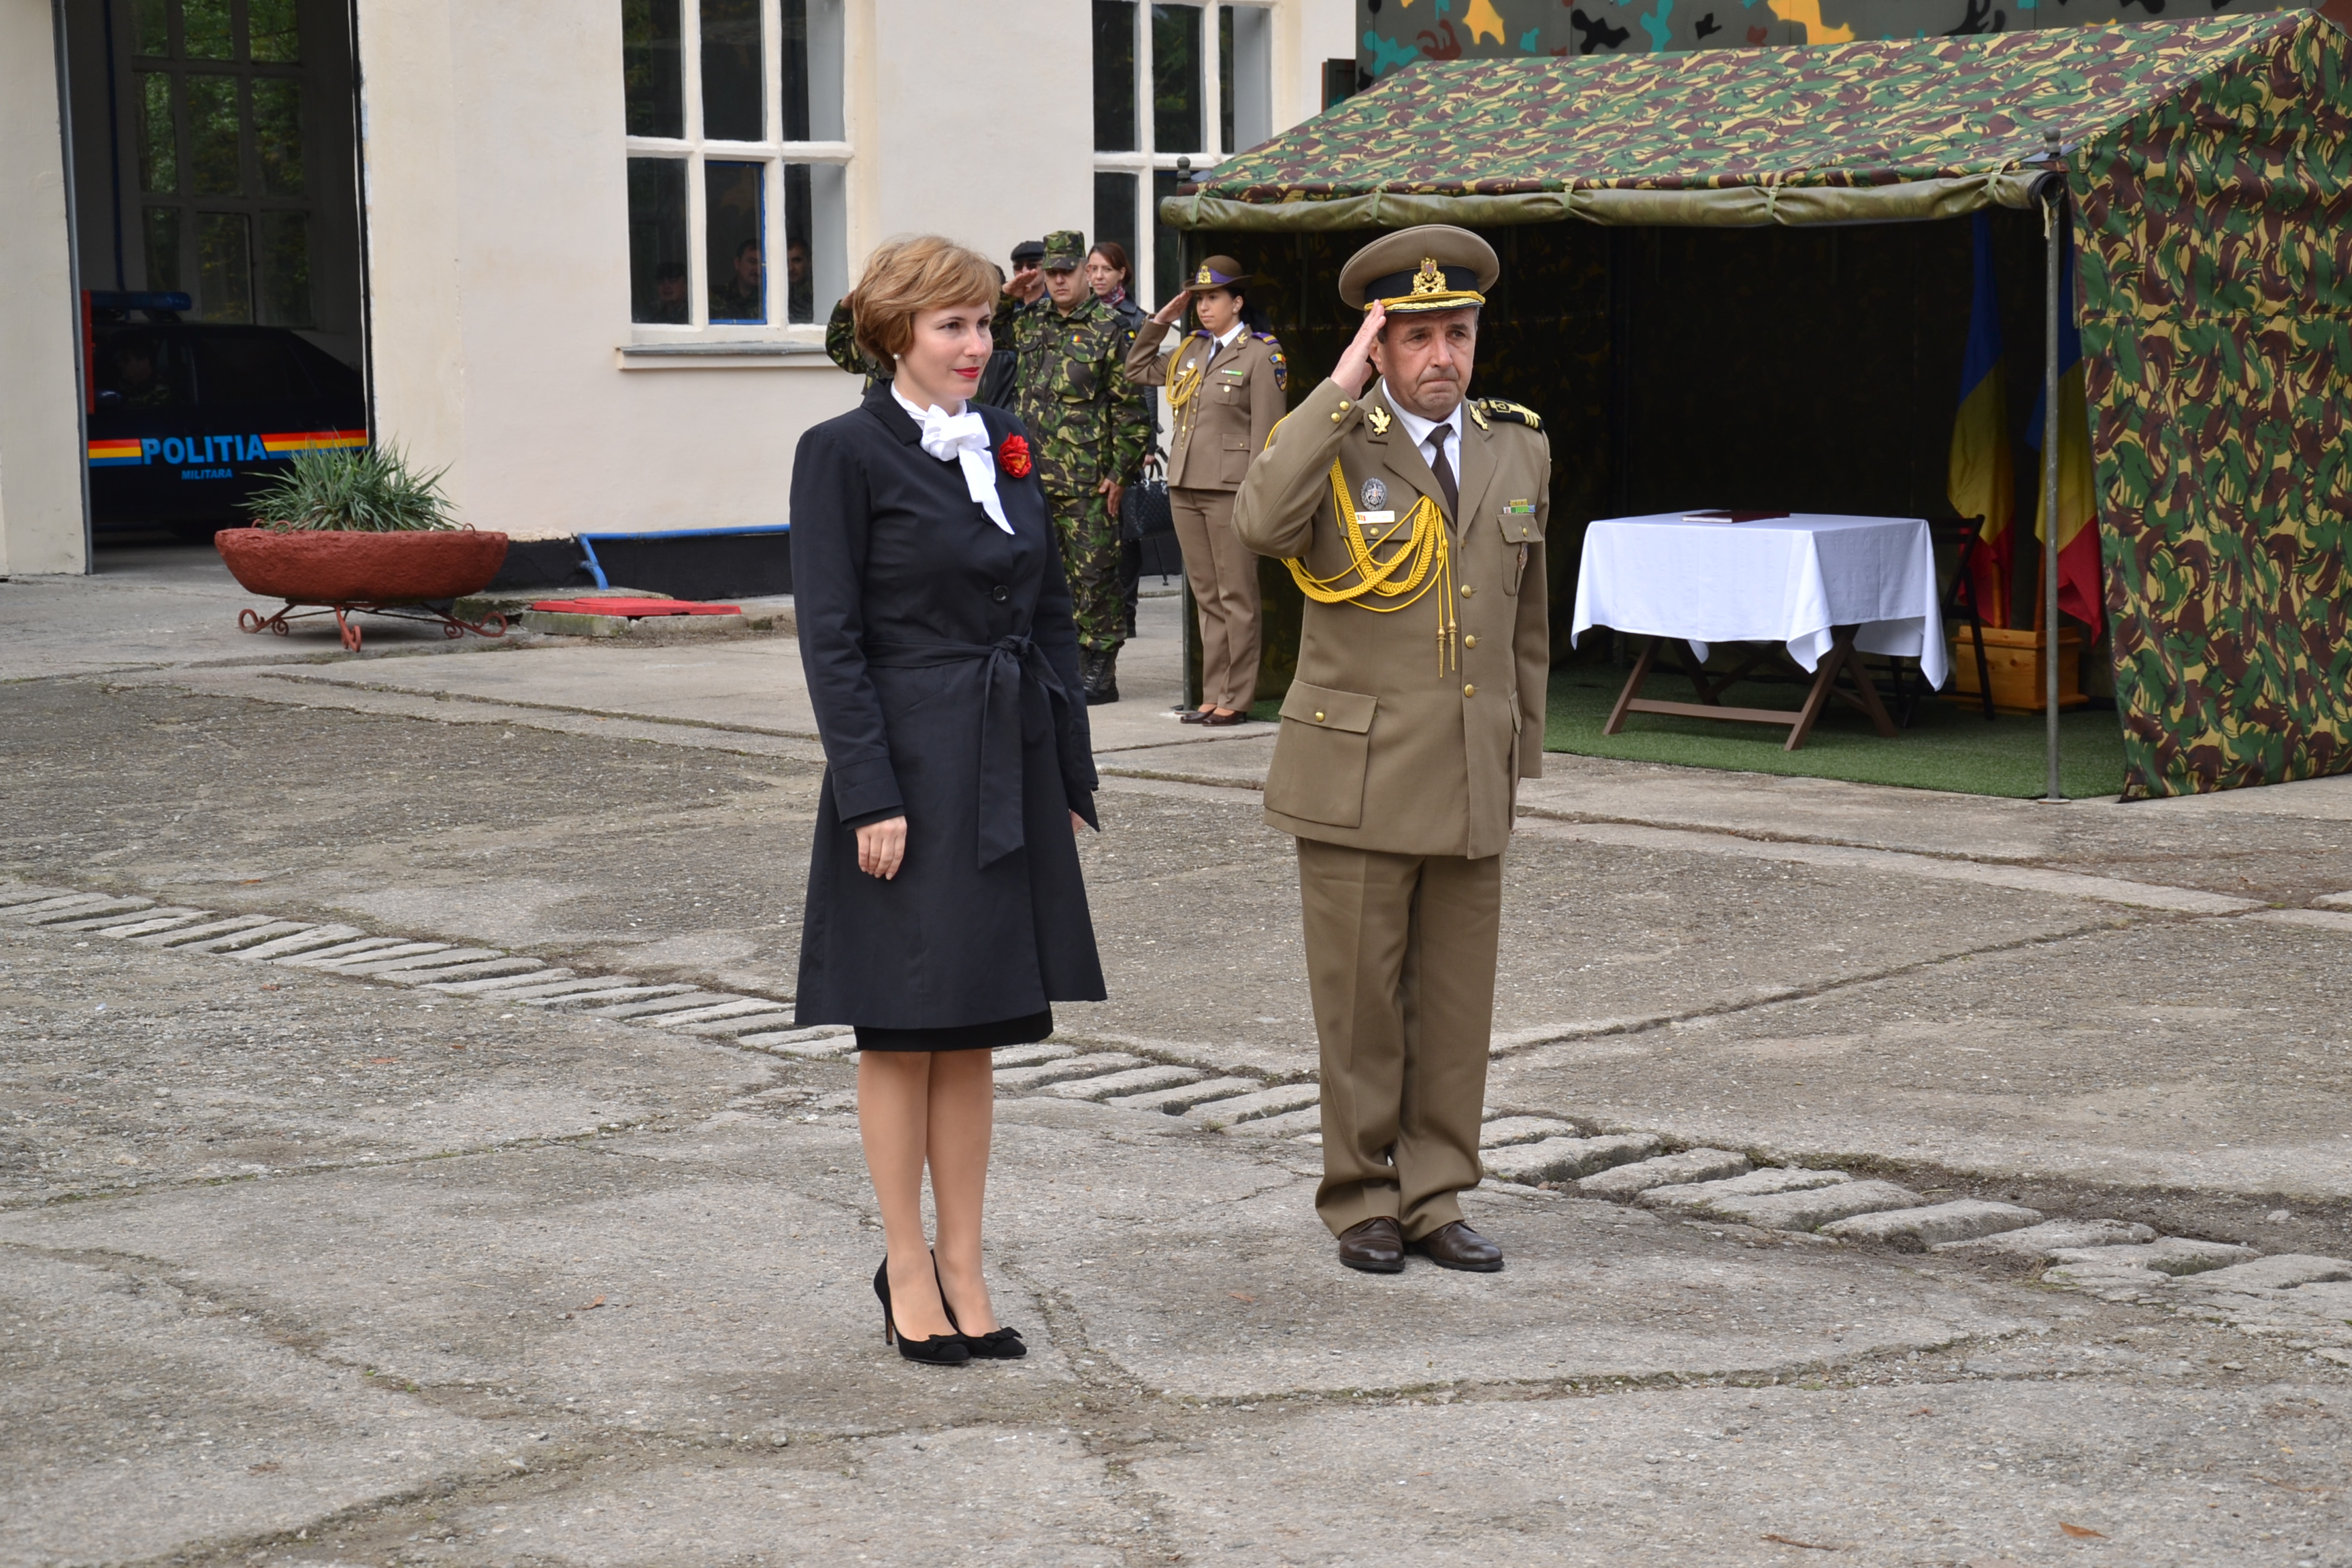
1064	248
1431	267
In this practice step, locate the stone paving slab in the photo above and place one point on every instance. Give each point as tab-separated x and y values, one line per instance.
342	958
742	1023
308	940
153	918
506	986
181	935
2172	1254
1218	1114
1504	1130
501	968
2045	1240
1029	1056
252	936
1183	1097
1132	1080
2280	1271
1022	1080
1755	1183
435	959
1306	1121
1566	1159
1692	1167
1810	1208
1916	1229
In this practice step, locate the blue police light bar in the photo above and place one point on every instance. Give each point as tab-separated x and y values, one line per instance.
141	302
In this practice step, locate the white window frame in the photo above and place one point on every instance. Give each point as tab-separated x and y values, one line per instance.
696	150
1148	160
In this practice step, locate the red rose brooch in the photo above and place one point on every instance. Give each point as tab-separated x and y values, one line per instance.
1014	457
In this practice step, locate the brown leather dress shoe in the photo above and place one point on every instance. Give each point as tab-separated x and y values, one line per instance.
1456	1245
1225	720
1376	1246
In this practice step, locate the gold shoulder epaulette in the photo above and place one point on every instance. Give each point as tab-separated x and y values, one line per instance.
1517	413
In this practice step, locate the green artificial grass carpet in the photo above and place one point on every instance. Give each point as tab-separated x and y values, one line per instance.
1948	747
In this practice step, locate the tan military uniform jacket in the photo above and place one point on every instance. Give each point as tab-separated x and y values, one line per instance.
1226	420
1380	748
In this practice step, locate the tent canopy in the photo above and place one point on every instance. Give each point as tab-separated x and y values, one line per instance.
1856	132
2209	167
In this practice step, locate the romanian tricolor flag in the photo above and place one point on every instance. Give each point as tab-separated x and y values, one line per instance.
292	442
2080	592
1982	482
116	452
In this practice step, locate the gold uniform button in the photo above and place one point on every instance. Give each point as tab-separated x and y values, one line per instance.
1319	716
1467	590
1470	639
1469	691
1334	419
1343	406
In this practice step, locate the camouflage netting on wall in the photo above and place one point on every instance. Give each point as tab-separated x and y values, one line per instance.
2209	163
2216	262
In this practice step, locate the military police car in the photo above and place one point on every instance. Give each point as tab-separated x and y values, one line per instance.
187	420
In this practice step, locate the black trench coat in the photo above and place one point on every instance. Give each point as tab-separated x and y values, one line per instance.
943	666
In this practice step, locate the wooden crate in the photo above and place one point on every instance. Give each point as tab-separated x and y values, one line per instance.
2013	659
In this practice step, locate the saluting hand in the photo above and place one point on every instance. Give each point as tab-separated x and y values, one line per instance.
1354	371
1173	312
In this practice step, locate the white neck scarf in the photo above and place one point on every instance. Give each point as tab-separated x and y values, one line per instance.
964	437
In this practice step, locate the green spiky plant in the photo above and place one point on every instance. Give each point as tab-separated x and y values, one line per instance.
367	490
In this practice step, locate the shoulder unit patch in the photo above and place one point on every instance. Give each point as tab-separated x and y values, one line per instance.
1281	365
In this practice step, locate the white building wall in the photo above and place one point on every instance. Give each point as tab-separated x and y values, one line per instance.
41	452
497	222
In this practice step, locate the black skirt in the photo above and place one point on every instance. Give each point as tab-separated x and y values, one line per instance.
1024	1031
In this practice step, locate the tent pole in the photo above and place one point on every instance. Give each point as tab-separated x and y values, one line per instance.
2054	234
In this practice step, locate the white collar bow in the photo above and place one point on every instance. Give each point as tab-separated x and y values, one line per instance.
964	437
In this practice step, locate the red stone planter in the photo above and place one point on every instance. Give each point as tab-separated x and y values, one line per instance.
343	573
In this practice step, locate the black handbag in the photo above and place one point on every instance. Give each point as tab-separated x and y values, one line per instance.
1143	510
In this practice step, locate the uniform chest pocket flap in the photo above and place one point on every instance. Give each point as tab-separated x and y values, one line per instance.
1320	760
1518	521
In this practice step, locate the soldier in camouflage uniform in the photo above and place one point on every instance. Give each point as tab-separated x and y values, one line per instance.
841	346
1090	428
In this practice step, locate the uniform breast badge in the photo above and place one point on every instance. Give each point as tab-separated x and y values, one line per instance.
1375	494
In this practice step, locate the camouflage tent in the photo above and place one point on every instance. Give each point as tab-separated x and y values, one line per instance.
2212	183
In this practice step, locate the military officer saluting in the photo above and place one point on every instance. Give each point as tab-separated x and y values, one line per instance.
1225	393
1413	520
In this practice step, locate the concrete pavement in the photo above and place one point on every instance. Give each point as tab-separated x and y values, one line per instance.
313	1264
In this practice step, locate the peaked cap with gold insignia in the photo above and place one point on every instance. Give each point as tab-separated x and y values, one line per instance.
1432	266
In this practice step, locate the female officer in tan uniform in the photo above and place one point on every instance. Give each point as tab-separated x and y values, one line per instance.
1225	393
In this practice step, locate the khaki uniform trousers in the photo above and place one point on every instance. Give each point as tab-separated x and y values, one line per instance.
1400	964
1223	574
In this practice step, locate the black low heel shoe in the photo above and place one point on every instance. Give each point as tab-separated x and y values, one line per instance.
1001	1344
939	1349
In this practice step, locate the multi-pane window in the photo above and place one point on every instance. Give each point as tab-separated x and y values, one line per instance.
738	183
1171	81
223	186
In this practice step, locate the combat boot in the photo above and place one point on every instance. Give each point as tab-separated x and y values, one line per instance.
1098	671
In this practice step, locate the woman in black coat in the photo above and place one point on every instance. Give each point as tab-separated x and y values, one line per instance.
946	912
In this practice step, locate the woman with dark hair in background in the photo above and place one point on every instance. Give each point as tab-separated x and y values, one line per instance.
1109	274
1224	388
946	912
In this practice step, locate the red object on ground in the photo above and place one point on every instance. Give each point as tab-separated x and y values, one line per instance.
635	608
323	567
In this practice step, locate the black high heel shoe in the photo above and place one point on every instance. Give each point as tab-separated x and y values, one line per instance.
999	1344
950	1349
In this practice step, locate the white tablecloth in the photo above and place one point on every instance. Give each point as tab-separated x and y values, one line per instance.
1787	580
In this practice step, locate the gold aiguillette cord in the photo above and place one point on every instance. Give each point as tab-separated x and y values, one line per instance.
1425	561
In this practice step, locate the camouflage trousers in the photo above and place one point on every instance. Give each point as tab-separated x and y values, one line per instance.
1091	558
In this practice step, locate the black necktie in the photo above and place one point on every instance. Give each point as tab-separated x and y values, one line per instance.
1444	470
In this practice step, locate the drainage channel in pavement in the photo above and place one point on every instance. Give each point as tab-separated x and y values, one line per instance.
2303	1301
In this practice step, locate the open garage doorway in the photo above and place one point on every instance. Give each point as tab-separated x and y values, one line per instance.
216	233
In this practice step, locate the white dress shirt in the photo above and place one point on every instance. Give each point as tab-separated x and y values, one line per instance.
1448	429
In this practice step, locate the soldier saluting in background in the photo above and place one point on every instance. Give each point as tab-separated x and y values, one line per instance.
1414	521
1090	429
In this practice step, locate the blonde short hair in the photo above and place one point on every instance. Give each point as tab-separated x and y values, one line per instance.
906	277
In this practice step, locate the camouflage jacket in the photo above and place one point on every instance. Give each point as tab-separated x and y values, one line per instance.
841	346
1088	422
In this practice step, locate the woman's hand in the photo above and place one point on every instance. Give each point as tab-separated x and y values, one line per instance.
1354	371
1173	312
882	847
1077	822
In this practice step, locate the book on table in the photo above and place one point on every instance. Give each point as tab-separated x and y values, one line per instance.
1721	516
